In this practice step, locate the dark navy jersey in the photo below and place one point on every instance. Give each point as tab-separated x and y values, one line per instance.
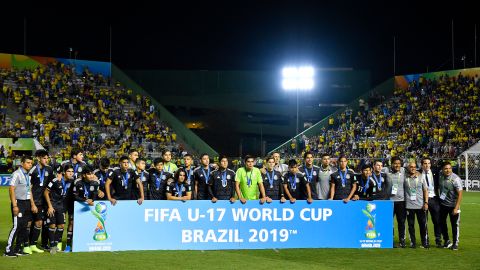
344	181
157	184
143	176
296	184
123	183
177	189
311	176
201	177
273	184
84	190
102	177
59	192
77	167
39	179
222	184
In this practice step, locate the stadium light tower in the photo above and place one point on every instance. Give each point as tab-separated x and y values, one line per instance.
298	78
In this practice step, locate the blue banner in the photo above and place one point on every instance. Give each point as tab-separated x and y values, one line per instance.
5	179
202	225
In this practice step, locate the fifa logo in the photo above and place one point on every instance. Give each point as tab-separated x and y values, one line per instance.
100	212
370	231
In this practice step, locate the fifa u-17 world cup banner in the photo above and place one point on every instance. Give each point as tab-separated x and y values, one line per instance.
203	225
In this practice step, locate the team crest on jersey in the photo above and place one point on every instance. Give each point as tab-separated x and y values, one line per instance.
143	178
80	169
164	177
275	177
314	173
228	177
348	176
46	173
92	188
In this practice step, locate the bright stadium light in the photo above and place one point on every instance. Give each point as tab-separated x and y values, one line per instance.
298	78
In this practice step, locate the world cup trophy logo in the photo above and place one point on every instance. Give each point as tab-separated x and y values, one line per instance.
370	231
100	212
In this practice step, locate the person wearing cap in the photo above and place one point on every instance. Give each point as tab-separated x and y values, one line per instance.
56	195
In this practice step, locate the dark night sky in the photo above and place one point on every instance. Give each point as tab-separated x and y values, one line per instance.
250	36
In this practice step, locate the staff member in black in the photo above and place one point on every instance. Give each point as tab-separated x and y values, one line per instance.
157	182
21	205
431	178
221	185
273	182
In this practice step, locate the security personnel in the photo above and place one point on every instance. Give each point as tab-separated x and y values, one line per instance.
431	178
40	175
177	188
221	185
396	177
56	198
342	183
103	172
202	176
273	182
157	182
450	187
21	204
295	185
416	203
324	175
120	183
310	173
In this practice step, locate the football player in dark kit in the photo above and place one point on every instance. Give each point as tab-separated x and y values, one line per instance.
294	184
143	175
342	182
311	173
103	172
56	198
221	185
365	184
157	182
201	178
273	182
40	175
188	159
76	160
177	188
120	183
